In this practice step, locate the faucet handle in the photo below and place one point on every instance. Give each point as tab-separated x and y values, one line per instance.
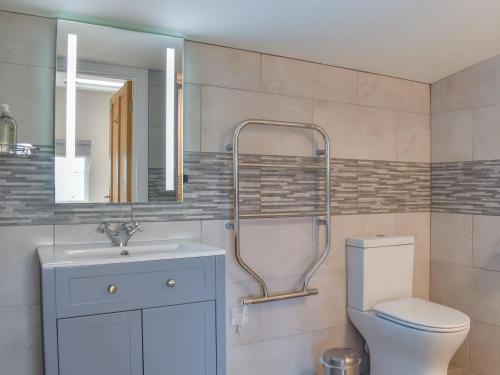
103	227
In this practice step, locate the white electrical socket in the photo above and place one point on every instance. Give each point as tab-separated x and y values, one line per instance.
239	316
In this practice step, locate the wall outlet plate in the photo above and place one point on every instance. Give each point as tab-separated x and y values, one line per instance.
239	316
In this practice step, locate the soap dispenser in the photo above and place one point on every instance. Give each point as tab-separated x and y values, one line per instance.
8	130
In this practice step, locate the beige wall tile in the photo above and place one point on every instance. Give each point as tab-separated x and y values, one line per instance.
461	357
35	117
289	355
223	109
157	231
486	133
19	275
277	248
421	279
486	244
387	92
342	336
79	234
414	137
27	40
417	224
485	348
358	132
476	86
451	285
451	238
285	76
347	226
21	340
451	94
192	117
215	233
220	66
451	136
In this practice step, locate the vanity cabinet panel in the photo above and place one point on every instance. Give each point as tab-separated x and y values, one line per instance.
146	326
86	290
108	344
180	340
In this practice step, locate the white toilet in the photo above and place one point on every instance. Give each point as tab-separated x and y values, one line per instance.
405	335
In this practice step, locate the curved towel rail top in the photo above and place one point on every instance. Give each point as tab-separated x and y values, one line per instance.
305	291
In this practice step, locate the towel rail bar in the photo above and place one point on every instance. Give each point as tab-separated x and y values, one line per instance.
326	213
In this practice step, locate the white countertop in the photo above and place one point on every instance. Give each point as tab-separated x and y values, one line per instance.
140	251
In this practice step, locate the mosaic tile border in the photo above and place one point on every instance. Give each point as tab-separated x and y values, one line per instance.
358	186
468	187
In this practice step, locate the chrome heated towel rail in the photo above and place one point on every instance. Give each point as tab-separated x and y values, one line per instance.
324	153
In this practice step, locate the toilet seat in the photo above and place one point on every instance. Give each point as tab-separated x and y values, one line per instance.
423	315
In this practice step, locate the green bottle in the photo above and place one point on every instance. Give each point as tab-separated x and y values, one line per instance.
8	130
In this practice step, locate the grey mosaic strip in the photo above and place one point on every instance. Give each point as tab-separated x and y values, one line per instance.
27	190
470	187
393	187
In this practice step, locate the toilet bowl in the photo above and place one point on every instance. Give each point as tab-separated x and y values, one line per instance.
405	335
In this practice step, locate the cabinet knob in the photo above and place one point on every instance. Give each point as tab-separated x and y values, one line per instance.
112	289
171	283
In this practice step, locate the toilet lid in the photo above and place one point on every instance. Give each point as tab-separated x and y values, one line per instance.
424	315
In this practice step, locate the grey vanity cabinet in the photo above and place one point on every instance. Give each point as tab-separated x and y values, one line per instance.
180	338
108	344
162	317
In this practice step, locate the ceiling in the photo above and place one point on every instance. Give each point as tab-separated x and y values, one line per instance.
422	40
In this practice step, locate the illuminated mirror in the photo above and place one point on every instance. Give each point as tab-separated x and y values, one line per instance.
118	115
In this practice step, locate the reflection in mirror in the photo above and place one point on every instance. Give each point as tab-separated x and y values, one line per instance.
118	115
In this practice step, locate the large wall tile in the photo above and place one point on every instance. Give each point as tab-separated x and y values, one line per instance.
414	137
192	117
277	247
223	109
451	238
486	243
27	40
387	92
486	133
451	285
19	275
285	356
156	231
215	233
30	92
358	132
219	66
285	76
20	340
417	224
348	226
473	87
421	279
342	336
79	234
485	348
451	137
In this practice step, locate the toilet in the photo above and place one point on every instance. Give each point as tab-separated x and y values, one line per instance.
405	335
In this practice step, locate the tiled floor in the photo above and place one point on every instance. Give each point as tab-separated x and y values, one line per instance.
454	370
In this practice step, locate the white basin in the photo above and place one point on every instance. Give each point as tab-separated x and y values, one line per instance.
92	254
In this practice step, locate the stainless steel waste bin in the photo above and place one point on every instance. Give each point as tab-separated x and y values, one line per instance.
341	361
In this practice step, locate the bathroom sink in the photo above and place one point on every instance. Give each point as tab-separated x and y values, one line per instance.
93	254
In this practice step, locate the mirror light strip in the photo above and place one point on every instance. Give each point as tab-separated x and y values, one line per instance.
71	96
170	121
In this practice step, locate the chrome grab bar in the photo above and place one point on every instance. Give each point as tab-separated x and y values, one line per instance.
305	291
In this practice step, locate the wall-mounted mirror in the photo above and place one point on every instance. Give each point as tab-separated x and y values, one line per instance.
118	115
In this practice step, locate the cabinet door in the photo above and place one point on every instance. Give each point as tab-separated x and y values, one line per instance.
180	340
108	344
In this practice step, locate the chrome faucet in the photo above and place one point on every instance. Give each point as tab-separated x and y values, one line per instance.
125	231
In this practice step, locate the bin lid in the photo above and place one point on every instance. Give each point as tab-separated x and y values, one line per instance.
340	358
